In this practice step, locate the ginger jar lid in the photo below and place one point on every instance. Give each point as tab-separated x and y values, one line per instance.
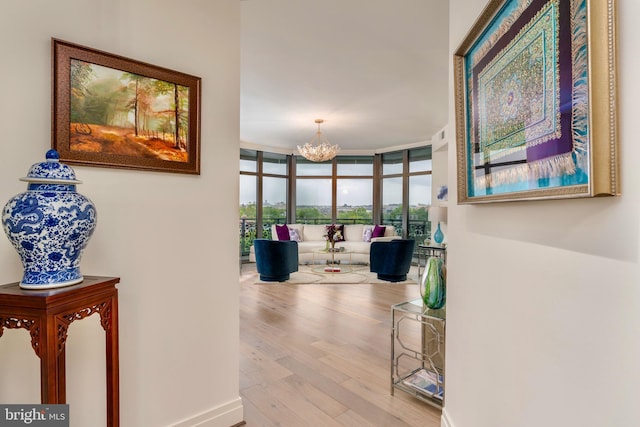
51	171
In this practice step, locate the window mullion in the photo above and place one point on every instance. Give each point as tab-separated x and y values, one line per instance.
259	191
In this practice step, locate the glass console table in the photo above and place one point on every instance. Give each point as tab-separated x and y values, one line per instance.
418	350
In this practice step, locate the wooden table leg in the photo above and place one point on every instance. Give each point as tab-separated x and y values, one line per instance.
113	366
62	375
52	384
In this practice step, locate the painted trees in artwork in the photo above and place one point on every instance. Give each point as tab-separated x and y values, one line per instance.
179	106
80	75
123	112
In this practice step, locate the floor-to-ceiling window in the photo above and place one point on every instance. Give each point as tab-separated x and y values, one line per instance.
354	189
248	197
393	189
419	195
313	183
275	182
406	191
264	184
335	191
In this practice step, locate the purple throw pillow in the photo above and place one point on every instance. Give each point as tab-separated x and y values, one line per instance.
282	231
378	231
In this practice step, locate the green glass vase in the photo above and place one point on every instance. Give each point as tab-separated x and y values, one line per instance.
433	288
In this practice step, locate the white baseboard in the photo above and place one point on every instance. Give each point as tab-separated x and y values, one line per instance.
225	415
444	419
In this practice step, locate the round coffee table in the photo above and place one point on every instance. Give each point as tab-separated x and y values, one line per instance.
333	261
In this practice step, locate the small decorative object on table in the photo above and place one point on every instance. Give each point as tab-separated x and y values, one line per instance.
49	225
438	237
333	235
433	284
437	214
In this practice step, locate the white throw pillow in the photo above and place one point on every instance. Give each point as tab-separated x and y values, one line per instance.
294	234
366	233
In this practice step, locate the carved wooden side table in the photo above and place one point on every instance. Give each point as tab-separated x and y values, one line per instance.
47	314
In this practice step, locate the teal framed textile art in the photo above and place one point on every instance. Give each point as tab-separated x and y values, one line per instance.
535	95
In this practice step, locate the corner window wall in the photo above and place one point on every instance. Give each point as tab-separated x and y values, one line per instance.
393	188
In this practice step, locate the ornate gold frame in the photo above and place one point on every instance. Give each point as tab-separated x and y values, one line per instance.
603	179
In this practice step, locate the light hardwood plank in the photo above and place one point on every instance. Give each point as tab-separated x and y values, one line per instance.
318	355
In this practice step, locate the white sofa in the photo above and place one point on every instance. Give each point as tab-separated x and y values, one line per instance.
312	239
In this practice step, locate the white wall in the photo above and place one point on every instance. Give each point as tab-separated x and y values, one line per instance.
544	301
172	238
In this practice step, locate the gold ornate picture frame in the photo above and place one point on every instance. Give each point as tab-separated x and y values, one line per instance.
535	102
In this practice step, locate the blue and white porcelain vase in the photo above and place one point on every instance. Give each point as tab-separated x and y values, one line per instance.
49	225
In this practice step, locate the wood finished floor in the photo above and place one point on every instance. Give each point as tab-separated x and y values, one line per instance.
318	355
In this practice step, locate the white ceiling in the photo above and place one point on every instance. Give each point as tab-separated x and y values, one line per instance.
375	70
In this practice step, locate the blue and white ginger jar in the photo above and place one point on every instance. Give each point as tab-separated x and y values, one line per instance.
49	225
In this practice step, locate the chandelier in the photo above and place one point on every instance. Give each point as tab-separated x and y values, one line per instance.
318	149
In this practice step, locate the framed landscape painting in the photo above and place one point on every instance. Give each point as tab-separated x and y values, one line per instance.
113	111
535	93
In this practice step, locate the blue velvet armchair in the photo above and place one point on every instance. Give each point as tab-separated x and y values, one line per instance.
392	259
276	259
